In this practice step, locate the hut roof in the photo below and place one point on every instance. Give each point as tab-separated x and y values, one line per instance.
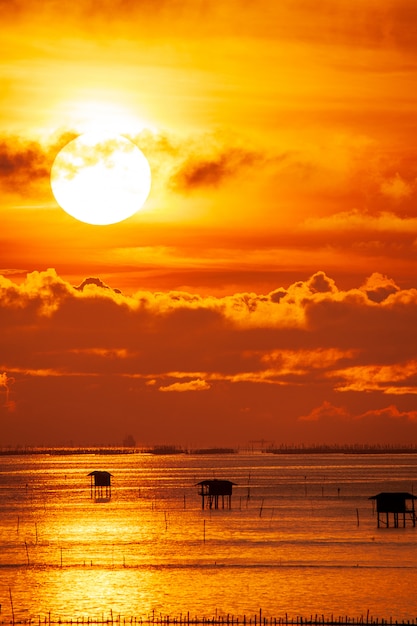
215	481
393	495
98	473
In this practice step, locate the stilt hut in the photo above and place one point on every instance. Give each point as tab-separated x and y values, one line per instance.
100	484
212	490
399	504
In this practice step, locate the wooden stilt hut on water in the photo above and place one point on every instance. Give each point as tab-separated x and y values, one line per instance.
100	484
213	491
397	506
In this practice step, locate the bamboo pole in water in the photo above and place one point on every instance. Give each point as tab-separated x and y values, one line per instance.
11	604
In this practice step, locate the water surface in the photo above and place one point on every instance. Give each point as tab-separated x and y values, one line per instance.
300	539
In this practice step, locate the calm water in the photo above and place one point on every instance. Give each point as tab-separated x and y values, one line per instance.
301	537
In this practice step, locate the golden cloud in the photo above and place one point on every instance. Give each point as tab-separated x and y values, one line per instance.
191	385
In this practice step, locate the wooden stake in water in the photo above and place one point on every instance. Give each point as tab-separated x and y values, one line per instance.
27	553
11	604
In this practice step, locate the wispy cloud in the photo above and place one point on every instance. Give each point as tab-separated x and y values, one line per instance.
328	411
212	171
191	385
22	165
27	164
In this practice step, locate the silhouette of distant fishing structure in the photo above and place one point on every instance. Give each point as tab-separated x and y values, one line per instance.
395	503
100	484
214	490
397	506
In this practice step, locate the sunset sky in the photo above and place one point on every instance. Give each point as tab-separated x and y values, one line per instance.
267	290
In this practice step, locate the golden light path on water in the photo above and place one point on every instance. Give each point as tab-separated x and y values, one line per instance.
103	594
300	538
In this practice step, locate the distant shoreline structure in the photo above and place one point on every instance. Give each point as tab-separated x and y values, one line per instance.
283	449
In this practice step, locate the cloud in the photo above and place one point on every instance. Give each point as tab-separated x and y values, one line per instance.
4	381
191	385
356	220
328	411
302	361
97	282
27	164
197	172
391	412
5	384
12	272
96	353
21	165
377	25
325	410
201	161
393	379
320	283
378	287
396	188
348	425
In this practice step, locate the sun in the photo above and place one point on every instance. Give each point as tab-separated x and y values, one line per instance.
100	178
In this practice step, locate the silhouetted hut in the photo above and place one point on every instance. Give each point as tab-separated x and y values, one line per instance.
101	481
211	490
395	502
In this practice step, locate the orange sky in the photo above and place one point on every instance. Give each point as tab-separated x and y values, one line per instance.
267	289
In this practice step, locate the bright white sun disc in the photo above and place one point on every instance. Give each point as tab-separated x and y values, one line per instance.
100	178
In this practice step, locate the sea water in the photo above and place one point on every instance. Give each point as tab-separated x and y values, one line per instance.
300	538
